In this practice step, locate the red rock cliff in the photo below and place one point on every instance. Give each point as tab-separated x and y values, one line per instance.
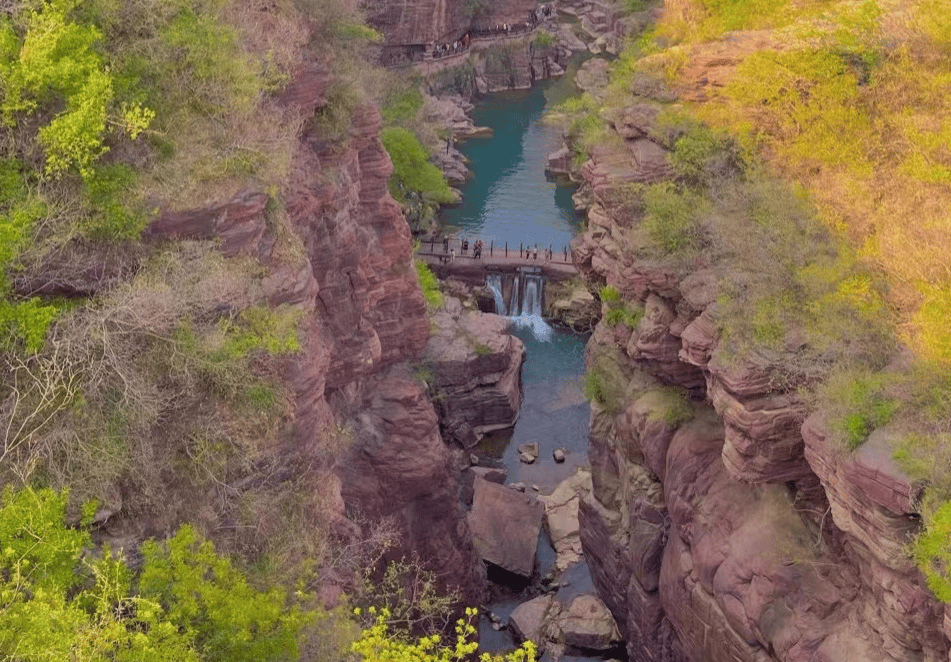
365	317
739	534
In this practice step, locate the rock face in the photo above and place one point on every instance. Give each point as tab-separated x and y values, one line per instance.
476	367
363	318
505	526
730	529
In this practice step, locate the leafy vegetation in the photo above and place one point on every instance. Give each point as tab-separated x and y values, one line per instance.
58	602
604	382
430	285
412	170
620	311
378	644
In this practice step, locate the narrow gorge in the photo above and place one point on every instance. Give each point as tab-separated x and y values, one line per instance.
595	324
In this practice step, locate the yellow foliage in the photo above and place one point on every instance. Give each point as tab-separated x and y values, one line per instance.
378	644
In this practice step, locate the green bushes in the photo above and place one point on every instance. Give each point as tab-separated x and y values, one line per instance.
857	403
544	40
430	285
672	217
402	105
412	170
604	382
57	601
620	311
932	553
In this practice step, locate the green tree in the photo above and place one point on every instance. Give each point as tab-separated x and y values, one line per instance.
62	600
411	166
210	601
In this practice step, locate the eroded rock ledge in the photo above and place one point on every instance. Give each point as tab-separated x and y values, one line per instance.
734	532
476	371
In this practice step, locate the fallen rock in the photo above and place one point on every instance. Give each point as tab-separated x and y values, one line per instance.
578	310
559	455
588	624
528	620
561	517
491	474
559	163
528	453
505	525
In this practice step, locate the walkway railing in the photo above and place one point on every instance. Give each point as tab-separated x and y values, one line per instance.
447	250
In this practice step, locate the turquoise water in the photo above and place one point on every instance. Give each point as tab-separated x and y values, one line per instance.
509	199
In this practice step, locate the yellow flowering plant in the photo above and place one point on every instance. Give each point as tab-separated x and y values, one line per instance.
377	643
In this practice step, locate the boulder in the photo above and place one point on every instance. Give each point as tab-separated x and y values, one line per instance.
588	624
505	525
559	163
495	475
592	77
561	517
559	455
528	453
528	620
578	310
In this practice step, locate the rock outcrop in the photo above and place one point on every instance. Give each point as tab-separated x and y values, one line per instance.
363	318
476	366
734	531
505	525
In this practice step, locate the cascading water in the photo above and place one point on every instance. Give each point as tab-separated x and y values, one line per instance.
494	283
532	305
515	304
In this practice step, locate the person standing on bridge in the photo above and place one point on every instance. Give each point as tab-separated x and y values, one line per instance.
452	255
535	253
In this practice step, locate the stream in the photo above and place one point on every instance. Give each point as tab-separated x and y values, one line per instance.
510	200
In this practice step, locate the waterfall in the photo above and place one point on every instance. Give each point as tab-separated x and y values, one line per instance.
494	283
531	306
515	305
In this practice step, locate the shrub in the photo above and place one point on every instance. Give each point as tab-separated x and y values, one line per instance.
211	603
332	121
429	284
412	170
857	404
604	383
57	601
673	407
378	644
610	295
402	105
544	40
671	218
932	553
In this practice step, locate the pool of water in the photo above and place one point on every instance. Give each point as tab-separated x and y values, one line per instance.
509	199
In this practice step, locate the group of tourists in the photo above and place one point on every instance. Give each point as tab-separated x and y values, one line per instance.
531	253
502	29
460	46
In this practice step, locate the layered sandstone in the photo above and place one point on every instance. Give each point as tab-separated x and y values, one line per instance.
476	372
364	318
741	534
